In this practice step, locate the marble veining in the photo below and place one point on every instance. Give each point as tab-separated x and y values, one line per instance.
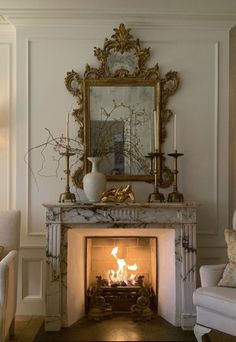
60	217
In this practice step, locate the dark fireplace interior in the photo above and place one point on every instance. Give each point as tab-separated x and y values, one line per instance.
124	265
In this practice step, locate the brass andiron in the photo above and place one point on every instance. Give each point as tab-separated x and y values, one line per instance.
67	196
175	196
156	196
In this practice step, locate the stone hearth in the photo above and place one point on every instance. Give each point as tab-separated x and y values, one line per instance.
68	225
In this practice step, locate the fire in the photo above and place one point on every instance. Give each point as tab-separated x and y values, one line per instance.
121	274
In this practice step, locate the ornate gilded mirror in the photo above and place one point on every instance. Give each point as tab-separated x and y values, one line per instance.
122	112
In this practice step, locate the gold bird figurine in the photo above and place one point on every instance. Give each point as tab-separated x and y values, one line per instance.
118	195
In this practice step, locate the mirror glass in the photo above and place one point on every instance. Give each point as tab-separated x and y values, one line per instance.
122	127
117	61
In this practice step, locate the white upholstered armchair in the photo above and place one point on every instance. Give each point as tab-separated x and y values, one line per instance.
216	305
9	239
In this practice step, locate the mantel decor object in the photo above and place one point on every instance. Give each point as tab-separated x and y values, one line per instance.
156	196
94	182
175	196
67	196
121	194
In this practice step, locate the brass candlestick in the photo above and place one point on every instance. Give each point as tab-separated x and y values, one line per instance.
67	196
156	196
175	196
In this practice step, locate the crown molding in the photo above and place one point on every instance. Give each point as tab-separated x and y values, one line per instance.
74	17
5	25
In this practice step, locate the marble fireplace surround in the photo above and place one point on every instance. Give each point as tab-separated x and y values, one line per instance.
68	225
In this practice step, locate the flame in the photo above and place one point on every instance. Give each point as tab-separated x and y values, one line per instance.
114	252
122	272
132	267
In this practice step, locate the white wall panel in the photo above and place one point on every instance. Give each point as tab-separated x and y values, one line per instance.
196	107
32	278
49	61
5	67
31	284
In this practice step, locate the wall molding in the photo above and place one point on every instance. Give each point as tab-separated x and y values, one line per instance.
6	121
215	170
28	301
25	261
42	16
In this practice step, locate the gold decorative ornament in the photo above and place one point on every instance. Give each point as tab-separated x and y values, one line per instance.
175	195
156	196
122	63
67	196
118	195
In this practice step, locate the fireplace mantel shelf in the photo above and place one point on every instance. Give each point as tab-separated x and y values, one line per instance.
189	204
174	224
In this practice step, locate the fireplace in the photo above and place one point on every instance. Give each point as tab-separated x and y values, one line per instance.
72	230
119	262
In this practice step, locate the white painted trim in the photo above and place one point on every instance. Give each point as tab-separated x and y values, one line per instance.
27	132
33	247
77	12
25	260
159	15
9	125
35	234
7	48
215	171
216	137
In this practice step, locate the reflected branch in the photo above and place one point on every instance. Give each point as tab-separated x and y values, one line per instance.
119	136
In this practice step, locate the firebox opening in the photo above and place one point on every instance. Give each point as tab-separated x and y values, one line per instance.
120	261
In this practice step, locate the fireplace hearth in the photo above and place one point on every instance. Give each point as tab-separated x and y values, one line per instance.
70	225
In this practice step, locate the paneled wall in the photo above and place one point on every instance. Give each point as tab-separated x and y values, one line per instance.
7	117
46	49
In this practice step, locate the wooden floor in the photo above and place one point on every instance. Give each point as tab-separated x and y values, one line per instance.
27	327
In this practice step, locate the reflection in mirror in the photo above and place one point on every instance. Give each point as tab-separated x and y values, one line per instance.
75	85
170	84
121	128
126	60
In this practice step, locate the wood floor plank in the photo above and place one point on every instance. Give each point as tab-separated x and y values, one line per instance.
26	328
30	328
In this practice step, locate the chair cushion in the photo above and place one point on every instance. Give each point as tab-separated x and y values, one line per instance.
229	274
216	298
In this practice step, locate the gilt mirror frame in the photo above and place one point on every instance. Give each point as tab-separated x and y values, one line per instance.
122	62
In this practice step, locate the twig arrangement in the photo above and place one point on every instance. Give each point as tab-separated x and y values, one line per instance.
59	146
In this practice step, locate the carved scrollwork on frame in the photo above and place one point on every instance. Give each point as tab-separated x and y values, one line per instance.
122	48
169	85
122	63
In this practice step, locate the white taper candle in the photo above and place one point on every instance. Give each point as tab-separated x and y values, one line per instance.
156	130
67	128
175	133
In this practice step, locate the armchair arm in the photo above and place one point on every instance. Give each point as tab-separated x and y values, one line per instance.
211	274
8	291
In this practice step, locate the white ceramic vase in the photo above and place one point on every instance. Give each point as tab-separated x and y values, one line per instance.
94	182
